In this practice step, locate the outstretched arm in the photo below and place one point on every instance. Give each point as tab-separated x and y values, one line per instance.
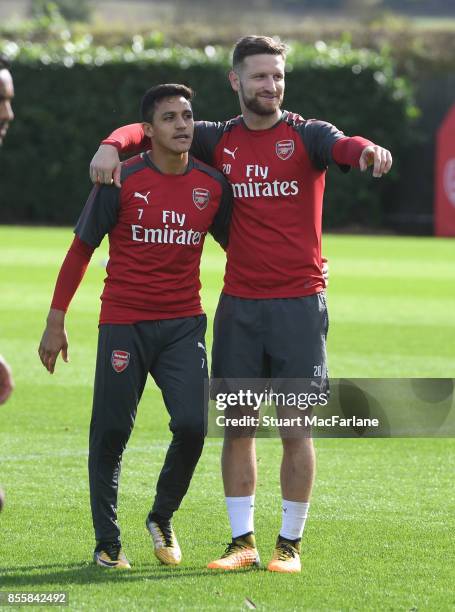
362	153
326	143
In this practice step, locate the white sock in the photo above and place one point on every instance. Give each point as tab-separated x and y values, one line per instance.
241	514
293	519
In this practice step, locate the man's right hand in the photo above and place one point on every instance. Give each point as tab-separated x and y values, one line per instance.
54	340
105	166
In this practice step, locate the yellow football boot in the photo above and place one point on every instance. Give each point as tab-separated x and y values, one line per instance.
110	555
166	547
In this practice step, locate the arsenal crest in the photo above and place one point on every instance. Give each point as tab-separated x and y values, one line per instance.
120	360
201	198
284	149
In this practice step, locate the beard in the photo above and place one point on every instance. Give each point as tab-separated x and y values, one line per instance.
254	105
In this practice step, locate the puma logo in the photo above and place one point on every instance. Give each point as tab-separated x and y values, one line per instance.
201	346
231	153
141	196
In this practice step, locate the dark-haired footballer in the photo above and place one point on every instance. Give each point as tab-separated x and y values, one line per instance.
276	163
151	317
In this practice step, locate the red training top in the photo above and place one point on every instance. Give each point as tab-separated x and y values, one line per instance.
157	224
278	178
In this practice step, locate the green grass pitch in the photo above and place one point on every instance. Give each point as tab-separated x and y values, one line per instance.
382	521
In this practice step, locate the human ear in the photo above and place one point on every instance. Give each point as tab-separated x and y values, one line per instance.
148	129
234	79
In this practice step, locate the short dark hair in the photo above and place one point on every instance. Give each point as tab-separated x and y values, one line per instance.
254	45
155	94
4	62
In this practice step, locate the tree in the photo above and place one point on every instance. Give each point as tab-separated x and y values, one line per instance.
69	10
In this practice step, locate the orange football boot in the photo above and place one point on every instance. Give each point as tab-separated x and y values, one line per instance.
286	557
240	553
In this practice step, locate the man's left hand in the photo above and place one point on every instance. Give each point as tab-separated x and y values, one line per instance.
379	158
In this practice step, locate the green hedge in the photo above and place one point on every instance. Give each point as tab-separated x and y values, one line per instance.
69	96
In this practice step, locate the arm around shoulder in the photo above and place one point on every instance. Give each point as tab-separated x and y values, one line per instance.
105	165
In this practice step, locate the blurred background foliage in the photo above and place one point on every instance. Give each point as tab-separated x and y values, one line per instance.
70	10
387	76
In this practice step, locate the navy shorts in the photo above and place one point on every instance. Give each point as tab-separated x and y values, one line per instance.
280	338
276	345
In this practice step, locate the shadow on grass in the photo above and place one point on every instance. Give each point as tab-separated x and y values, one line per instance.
74	573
